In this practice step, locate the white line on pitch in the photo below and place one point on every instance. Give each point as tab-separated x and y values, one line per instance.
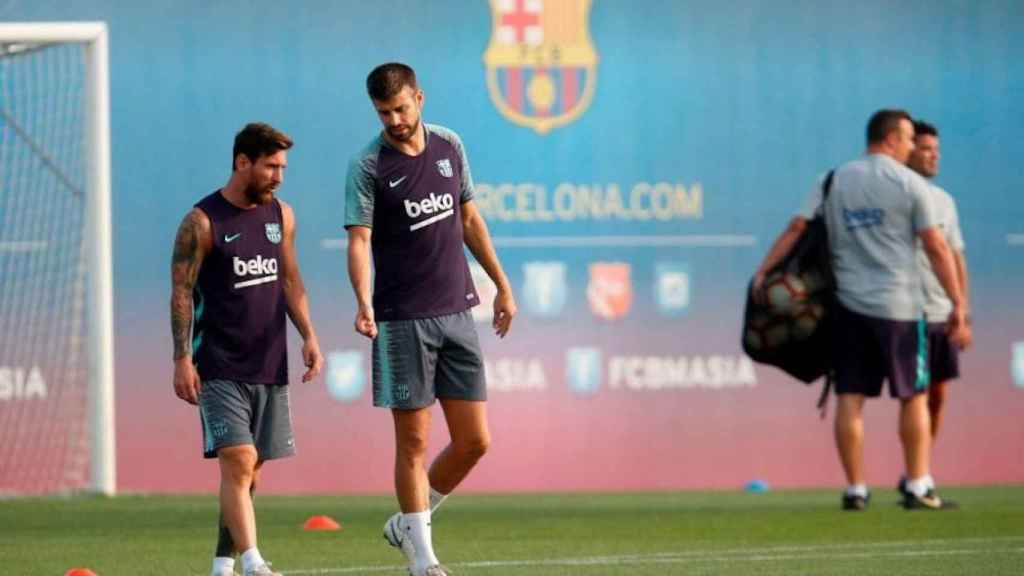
774	554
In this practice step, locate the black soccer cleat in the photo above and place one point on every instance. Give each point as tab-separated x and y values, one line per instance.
930	501
855	502
901	486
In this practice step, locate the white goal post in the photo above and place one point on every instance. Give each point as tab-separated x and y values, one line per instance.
96	291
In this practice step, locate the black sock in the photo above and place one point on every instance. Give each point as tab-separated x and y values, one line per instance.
225	543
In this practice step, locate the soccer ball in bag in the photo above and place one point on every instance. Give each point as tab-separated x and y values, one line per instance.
806	319
814	281
785	293
766	333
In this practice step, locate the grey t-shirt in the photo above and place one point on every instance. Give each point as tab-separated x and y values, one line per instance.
937	305
875	210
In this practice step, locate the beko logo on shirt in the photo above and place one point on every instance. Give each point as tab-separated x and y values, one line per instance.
863	217
442	206
265	268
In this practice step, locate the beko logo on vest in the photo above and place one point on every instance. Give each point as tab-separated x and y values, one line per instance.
430	205
265	268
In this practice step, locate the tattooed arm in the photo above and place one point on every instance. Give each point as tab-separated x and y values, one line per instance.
191	245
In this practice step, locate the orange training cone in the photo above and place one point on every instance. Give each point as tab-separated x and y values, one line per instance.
79	572
318	523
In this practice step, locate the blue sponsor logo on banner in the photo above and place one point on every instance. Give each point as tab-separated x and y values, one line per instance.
1017	365
583	370
544	290
672	288
345	375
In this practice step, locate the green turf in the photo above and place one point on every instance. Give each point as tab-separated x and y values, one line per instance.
799	532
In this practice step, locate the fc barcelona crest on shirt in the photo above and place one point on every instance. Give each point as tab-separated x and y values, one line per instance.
273	232
541	64
445	167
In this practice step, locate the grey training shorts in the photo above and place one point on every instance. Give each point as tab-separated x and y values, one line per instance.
418	361
235	413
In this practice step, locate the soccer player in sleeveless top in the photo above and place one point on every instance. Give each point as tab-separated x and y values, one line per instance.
234	278
409	199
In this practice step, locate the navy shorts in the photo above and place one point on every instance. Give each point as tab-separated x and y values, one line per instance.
943	355
418	361
235	414
871	350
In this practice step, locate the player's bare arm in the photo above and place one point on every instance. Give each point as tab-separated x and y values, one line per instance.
961	274
359	276
782	245
192	243
944	264
296	298
478	239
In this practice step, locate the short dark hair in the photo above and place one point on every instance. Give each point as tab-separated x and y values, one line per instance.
922	128
257	140
885	121
387	80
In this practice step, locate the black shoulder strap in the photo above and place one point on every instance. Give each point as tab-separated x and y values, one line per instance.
826	186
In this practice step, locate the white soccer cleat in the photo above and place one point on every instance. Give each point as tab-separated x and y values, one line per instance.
395	536
261	570
224	572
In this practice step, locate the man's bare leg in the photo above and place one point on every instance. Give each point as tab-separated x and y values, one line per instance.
412	431
467	425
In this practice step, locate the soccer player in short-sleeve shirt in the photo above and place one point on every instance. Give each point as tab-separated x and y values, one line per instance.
943	355
409	202
876	213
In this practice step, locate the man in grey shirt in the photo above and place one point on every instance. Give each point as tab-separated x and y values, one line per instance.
943	356
876	213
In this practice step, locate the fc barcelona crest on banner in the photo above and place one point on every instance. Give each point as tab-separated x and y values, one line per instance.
541	64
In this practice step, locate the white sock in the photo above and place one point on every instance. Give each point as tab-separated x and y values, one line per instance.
417	527
251	559
436	498
857	490
220	564
919	486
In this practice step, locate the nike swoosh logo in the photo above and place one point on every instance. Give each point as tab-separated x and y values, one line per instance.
393	183
231	238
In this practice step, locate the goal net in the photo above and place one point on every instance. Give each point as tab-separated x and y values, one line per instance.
56	384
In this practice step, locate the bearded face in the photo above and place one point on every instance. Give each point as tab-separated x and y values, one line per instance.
400	114
264	177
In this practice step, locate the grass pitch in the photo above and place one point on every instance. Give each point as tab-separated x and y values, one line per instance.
789	532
